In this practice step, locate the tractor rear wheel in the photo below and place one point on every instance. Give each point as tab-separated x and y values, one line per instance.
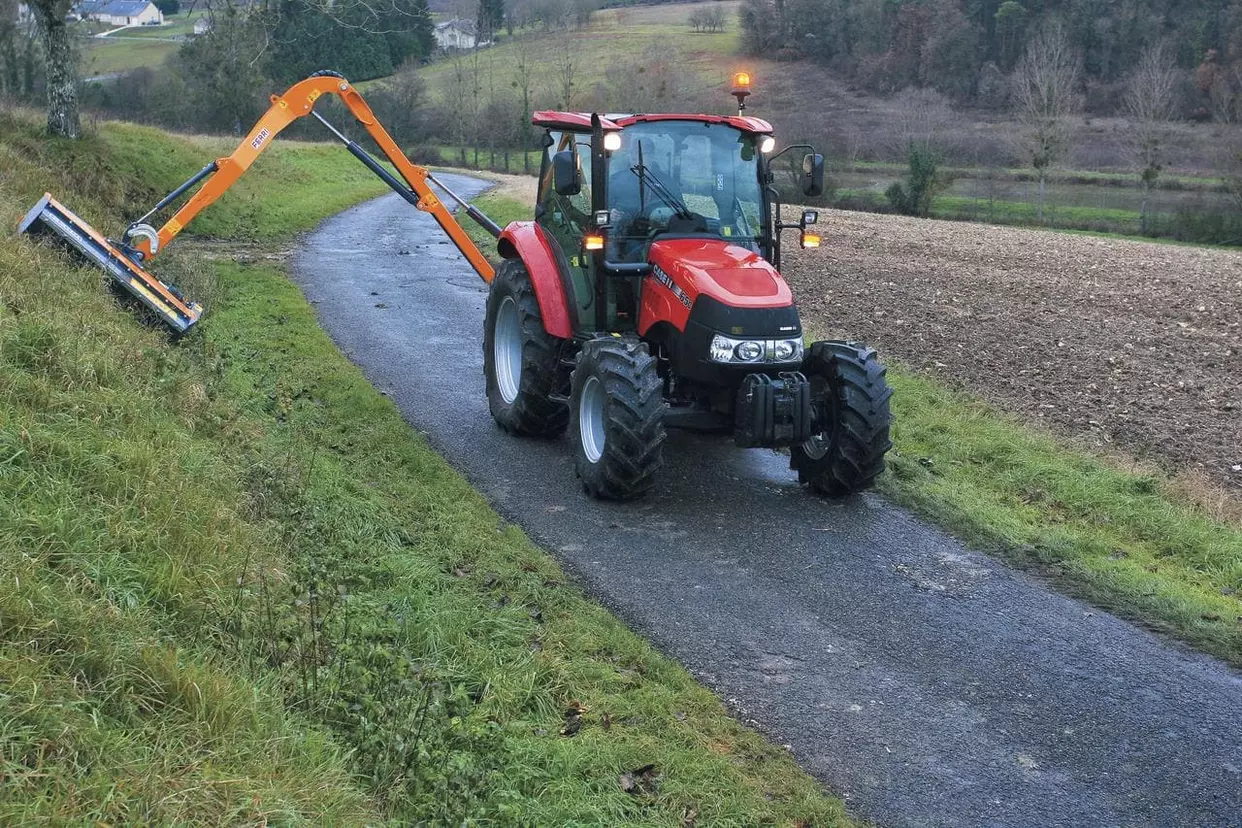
616	406
521	360
850	397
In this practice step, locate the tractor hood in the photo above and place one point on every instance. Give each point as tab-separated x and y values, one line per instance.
728	273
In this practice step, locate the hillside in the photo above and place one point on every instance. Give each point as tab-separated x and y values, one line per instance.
240	589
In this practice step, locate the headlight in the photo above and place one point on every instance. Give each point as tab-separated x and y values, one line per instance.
749	350
726	349
787	350
722	349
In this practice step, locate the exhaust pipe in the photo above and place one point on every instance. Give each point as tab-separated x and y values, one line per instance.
51	218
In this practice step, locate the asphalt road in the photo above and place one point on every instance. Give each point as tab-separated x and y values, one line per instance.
925	683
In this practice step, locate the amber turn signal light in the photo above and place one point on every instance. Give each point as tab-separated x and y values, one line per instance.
809	240
593	241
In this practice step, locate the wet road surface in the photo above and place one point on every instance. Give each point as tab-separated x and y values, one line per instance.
926	683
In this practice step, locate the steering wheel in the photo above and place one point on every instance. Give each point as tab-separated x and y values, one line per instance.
659	215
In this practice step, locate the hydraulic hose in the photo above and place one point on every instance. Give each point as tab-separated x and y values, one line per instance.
403	189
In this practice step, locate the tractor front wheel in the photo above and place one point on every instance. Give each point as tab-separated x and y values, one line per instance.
616	409
521	360
850	396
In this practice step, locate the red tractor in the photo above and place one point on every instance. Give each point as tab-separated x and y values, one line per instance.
646	294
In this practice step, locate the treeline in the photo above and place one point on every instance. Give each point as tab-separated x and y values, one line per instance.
965	49
219	81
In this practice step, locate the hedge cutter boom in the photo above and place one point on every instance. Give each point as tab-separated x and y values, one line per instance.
124	260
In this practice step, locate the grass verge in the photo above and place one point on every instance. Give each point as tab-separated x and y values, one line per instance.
1129	540
240	589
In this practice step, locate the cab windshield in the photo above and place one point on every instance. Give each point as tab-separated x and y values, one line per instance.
683	177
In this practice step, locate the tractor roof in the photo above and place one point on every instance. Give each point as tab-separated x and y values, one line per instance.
569	120
582	120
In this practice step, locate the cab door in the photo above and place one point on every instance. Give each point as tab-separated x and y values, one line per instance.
566	219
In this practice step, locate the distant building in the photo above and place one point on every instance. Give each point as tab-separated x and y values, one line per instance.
121	12
458	34
202	26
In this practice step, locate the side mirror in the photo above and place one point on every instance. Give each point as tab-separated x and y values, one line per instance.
813	169
565	173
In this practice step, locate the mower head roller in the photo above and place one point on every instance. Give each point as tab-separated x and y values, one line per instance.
51	218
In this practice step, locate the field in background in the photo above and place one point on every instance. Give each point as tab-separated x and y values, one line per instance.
703	61
133	48
103	56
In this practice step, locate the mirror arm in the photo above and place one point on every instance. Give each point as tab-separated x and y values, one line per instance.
806	147
778	225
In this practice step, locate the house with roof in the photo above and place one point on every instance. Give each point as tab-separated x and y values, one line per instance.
458	34
121	12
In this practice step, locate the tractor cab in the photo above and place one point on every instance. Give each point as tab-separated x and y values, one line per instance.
615	189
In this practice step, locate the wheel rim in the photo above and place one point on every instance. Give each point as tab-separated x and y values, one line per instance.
507	350
591	419
817	446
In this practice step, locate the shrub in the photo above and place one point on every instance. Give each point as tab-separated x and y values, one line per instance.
923	182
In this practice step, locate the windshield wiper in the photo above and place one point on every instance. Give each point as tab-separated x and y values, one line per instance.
646	178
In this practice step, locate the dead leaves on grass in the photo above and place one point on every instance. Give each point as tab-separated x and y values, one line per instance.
644	781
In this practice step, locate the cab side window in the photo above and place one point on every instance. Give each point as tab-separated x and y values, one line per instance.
567	217
571	212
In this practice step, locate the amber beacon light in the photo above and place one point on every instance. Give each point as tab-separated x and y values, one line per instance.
741	89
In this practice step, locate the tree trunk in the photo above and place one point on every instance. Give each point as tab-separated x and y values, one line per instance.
62	96
1143	210
1039	210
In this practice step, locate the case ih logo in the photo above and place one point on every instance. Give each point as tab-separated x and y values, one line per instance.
666	280
260	138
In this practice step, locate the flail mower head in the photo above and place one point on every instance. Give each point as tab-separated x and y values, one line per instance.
51	218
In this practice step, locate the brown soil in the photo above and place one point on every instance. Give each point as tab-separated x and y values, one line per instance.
1117	342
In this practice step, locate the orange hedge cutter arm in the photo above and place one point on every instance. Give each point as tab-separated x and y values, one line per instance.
299	100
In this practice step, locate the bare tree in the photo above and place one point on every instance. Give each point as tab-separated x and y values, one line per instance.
707	18
458	99
62	67
564	72
1151	104
716	19
923	116
1045	90
524	63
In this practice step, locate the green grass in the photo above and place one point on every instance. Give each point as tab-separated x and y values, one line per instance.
105	56
700	59
178	25
1123	180
238	588
1129	541
1117	222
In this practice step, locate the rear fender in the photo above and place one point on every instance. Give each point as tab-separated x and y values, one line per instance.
527	241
